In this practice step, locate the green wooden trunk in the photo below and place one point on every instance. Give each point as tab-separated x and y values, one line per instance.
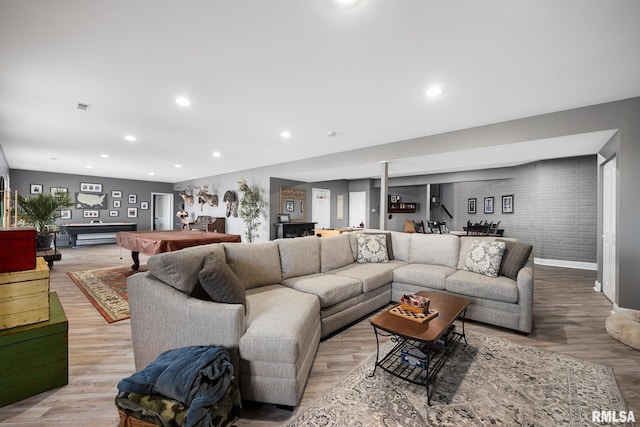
34	358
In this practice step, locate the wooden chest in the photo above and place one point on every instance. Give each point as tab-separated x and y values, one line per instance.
34	358
17	249
24	296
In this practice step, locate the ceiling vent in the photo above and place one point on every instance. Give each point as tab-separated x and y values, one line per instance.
83	107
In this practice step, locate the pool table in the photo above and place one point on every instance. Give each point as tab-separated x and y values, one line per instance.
155	242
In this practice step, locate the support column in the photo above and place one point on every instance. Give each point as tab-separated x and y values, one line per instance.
384	191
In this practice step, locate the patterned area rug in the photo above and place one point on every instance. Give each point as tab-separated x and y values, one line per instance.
491	381
106	289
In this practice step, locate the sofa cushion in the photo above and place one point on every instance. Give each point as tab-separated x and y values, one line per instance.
499	288
515	257
430	276
465	246
300	256
180	269
329	288
256	264
436	249
219	282
401	245
485	258
335	252
372	276
372	248
280	324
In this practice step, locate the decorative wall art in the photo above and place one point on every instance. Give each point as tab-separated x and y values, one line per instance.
116	203
488	205
289	205
133	198
144	205
36	188
507	204
65	214
58	190
91	201
92	188
292	201
90	213
114	213
132	212
116	194
471	205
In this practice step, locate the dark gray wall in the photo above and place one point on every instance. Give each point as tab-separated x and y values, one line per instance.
21	180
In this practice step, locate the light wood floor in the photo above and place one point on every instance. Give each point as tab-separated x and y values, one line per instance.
569	319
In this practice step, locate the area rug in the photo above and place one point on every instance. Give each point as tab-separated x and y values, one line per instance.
106	289
492	381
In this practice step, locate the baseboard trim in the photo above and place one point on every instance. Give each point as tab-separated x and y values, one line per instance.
567	264
597	286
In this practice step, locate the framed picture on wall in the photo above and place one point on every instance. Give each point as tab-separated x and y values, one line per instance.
90	213
65	214
58	190
116	203
144	205
116	194
133	198
89	187
471	205
507	204
488	205
114	213
132	212
36	188
289	205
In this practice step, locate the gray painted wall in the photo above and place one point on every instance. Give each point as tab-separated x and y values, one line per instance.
21	180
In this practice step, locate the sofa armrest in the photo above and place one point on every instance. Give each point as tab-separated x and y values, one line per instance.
163	318
525	296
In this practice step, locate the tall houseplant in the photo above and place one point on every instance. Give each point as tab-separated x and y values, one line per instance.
252	207
41	211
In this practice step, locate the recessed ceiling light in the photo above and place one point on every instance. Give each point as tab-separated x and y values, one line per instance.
152	173
216	154
182	101
331	134
104	156
177	165
434	91
130	138
88	166
346	3
285	134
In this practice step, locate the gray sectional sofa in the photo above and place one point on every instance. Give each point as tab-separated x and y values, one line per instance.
301	290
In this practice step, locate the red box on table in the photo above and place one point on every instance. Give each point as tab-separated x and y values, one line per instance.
17	249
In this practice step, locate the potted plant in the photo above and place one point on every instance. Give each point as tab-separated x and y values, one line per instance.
41	211
252	206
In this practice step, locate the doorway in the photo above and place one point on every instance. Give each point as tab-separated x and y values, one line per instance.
321	207
161	211
357	208
609	186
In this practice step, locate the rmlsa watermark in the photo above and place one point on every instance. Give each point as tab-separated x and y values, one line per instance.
609	417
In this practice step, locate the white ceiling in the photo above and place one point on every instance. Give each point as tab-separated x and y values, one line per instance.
253	68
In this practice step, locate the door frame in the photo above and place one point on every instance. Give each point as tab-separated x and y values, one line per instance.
153	209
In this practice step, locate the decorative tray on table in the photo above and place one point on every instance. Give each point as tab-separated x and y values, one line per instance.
413	315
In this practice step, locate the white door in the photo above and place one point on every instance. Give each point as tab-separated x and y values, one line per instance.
357	208
321	207
162	211
609	229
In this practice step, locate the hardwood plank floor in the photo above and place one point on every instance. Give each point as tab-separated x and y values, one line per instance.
569	319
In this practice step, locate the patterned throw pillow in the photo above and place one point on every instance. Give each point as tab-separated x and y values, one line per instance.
485	258
372	248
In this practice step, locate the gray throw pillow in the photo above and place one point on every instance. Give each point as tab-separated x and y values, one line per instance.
515	257
372	248
219	283
485	258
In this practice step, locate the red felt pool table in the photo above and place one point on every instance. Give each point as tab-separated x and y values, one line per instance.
155	242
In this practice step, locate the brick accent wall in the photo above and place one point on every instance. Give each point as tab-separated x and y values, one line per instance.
554	207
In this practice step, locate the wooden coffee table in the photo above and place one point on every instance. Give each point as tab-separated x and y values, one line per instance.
420	349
